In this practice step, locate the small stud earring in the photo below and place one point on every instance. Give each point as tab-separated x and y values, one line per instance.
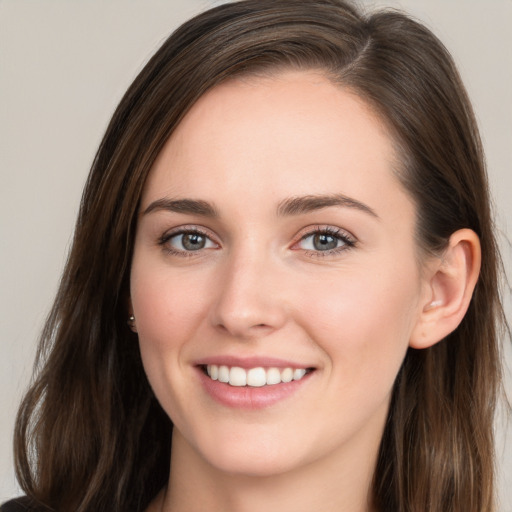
131	323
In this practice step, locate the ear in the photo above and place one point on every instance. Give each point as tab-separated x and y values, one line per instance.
449	286
131	317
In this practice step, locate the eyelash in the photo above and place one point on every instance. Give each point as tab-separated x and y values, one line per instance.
336	233
348	241
164	241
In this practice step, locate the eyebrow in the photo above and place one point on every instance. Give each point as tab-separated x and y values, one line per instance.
309	203
187	206
288	207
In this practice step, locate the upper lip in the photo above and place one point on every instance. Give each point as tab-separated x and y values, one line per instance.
250	362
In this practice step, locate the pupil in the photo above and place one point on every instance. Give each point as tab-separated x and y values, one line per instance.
323	242
193	241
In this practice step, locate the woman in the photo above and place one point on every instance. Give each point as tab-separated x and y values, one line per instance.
285	257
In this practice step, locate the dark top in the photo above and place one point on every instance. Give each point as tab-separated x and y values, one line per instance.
21	505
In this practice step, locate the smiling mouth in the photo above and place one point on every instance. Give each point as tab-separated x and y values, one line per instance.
254	377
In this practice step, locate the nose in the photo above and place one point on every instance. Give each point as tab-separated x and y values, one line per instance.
250	300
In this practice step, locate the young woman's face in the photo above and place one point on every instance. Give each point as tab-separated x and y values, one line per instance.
275	242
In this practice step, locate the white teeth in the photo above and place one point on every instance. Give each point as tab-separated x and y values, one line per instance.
273	376
254	377
223	375
237	377
297	374
287	375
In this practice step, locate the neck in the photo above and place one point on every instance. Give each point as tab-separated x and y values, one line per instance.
341	484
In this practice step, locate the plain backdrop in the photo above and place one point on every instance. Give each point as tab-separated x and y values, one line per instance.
64	66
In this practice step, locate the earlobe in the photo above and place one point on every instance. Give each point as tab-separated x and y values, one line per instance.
131	317
450	283
131	323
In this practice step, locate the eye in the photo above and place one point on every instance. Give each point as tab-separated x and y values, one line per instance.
325	240
188	241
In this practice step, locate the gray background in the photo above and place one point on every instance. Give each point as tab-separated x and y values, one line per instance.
64	66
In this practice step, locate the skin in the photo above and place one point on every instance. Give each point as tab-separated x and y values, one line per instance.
259	287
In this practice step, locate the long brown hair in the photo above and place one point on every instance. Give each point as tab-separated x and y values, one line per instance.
90	434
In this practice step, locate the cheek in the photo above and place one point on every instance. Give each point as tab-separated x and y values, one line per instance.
363	321
168	311
168	314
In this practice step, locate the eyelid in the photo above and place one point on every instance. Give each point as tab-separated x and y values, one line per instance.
343	235
183	230
346	237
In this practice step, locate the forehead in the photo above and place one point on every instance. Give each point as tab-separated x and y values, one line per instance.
290	134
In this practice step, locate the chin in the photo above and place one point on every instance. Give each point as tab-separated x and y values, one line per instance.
260	456
250	466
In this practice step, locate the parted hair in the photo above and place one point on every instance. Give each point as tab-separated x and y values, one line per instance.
90	434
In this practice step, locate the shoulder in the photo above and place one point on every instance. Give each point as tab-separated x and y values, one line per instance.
21	505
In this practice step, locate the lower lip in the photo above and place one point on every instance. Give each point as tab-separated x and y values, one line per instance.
247	397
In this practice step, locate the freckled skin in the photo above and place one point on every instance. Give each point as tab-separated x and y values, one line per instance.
258	288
